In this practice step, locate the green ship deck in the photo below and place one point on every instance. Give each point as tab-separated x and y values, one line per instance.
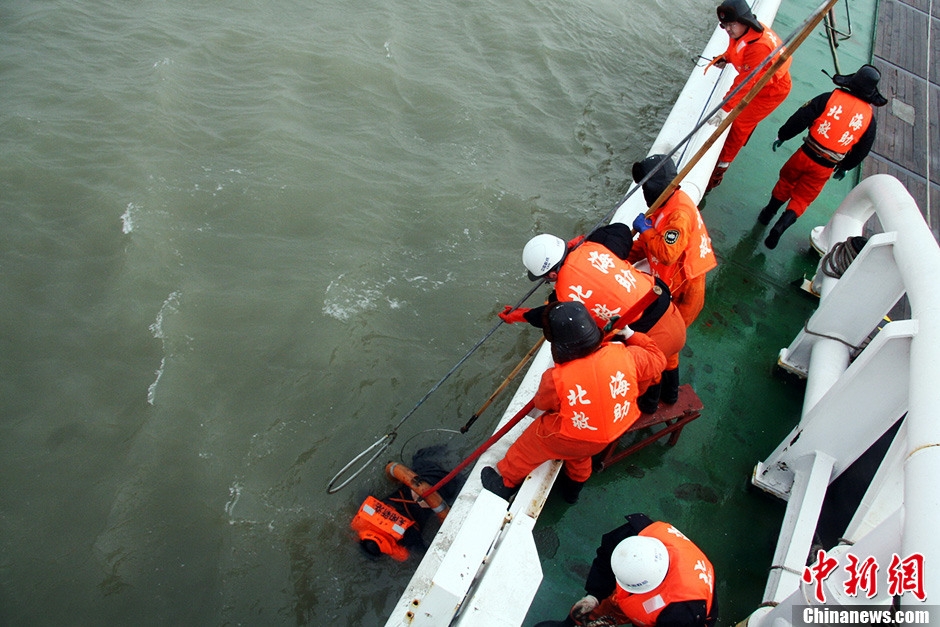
753	308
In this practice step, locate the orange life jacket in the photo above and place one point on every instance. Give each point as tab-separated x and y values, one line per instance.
690	578
736	47
597	394
698	257
841	126
383	525
607	285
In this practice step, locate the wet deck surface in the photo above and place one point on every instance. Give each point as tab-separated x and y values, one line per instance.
907	50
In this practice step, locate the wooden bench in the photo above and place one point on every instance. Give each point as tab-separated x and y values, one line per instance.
675	417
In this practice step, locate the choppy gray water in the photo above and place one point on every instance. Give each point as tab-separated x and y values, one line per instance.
240	241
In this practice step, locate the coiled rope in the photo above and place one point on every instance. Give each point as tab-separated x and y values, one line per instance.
840	256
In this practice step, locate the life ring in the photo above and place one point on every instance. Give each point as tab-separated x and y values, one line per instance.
403	474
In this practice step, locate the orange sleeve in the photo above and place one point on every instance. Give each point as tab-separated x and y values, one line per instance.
546	398
753	55
638	251
669	240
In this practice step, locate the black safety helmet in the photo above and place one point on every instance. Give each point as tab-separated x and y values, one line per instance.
659	181
863	84
738	11
571	331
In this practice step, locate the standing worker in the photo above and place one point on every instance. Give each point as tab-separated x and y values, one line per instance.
646	574
589	398
595	271
841	127
750	44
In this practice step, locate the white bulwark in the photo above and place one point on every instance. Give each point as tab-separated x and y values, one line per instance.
855	392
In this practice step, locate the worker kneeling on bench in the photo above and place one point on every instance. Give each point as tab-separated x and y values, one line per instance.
589	399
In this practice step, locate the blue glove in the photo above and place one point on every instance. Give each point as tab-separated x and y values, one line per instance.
641	223
777	143
838	174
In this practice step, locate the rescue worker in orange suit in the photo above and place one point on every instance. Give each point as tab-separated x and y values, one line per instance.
750	43
595	271
588	396
677	247
646	574
673	239
841	127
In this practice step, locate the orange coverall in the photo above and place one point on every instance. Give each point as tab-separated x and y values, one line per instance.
542	441
679	252
745	54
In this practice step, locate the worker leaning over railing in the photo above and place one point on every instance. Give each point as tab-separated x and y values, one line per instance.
750	43
588	397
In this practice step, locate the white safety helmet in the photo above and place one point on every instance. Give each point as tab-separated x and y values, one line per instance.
542	253
640	563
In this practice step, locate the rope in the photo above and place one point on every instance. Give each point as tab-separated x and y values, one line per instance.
702	118
833	44
386	440
840	256
785	569
855	349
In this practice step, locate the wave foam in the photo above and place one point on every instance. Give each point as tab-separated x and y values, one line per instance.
170	305
127	218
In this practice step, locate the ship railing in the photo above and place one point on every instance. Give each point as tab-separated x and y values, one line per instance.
856	390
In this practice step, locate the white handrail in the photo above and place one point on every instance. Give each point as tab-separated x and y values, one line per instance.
905	259
918	259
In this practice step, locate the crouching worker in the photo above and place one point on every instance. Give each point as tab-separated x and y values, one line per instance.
595	271
673	240
676	244
589	400
647	574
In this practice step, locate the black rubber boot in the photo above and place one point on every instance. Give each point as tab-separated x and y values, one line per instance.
767	213
648	402
570	489
493	482
670	390
783	223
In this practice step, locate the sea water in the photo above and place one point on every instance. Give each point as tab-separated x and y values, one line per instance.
240	243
